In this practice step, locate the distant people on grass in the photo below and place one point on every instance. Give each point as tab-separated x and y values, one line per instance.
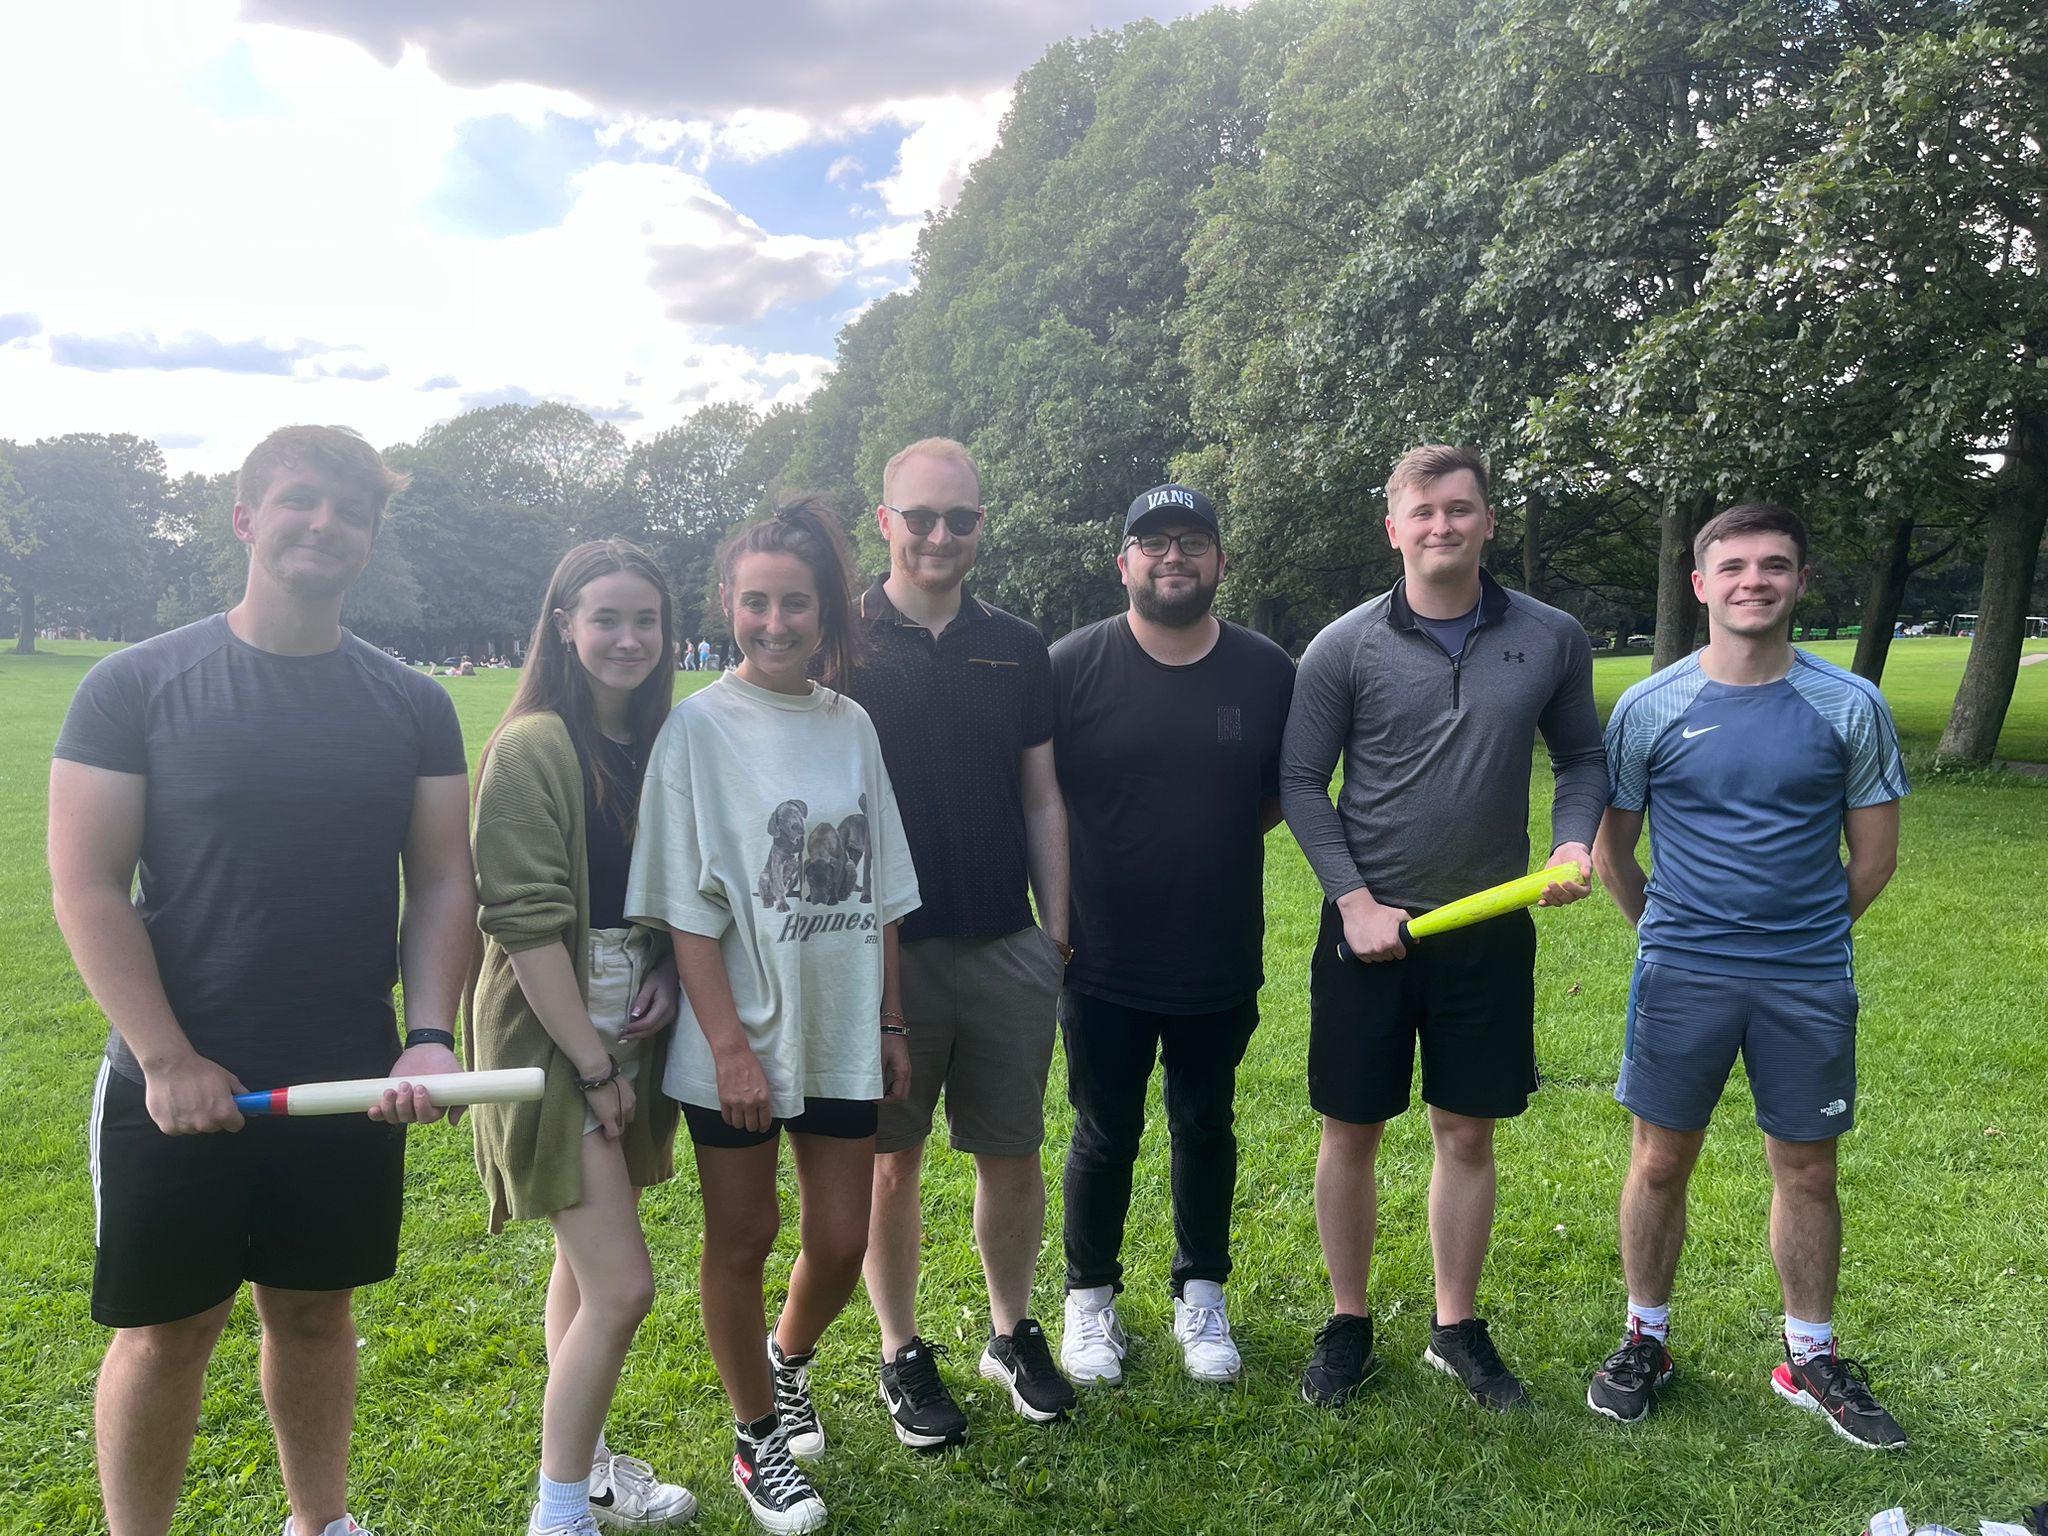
1432	695
704	654
961	697
1169	724
770	847
291	774
568	984
1754	763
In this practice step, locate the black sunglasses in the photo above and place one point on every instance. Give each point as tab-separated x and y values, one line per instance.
960	521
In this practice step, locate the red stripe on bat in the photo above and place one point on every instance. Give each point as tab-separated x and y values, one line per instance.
280	1101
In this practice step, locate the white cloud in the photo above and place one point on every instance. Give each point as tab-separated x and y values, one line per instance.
951	133
845	168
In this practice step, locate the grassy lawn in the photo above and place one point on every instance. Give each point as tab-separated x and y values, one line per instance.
1945	1282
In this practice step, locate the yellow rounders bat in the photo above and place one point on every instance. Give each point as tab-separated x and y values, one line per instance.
1509	896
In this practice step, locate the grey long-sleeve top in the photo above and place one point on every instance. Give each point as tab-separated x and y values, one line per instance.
1437	750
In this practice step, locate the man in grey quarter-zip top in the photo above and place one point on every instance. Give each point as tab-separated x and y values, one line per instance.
1432	695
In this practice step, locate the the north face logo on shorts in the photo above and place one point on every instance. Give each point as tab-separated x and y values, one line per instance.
1836	1107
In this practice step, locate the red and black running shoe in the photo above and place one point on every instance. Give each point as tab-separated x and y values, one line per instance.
1839	1391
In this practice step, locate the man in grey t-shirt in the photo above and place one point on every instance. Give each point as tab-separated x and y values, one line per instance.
269	776
1433	695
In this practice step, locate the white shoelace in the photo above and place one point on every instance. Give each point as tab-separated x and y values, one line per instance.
781	1478
1203	1325
633	1475
1093	1327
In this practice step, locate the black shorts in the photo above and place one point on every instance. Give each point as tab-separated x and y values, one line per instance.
309	1204
1469	995
841	1119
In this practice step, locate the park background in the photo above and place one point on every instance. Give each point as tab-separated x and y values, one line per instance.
1653	258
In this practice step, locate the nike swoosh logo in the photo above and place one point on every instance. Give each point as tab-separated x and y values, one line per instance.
1688	735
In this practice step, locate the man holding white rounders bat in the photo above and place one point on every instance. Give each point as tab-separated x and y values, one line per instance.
269	775
1432	695
1754	764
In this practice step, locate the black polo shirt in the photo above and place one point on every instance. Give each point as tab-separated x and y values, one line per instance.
954	715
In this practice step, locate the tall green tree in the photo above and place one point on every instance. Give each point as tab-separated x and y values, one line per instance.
81	551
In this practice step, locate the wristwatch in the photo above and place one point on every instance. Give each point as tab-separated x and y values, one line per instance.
415	1037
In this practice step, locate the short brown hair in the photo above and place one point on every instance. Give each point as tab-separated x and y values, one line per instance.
946	448
1750	517
340	452
1431	462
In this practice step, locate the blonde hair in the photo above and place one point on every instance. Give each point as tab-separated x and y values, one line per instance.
945	448
1431	462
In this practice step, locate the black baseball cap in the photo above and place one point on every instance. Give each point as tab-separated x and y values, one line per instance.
1171	503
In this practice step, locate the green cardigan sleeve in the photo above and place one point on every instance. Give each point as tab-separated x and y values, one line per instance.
524	832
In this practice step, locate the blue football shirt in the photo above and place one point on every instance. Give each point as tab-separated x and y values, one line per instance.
1746	788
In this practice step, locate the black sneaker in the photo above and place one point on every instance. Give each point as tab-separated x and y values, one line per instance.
1465	1351
1342	1360
1628	1379
801	1425
778	1494
1839	1391
923	1411
1022	1361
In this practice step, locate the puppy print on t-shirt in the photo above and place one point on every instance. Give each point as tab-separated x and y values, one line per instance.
827	872
779	878
853	835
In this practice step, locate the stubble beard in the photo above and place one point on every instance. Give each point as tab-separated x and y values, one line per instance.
1177	612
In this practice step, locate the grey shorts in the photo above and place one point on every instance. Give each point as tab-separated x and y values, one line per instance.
620	959
1797	1039
983	1020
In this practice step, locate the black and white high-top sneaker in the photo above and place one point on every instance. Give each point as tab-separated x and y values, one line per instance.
793	1405
778	1494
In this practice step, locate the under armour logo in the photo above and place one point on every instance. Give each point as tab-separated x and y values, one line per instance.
1836	1107
1513	656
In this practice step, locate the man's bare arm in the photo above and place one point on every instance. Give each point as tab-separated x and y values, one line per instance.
1872	832
1045	838
95	840
436	935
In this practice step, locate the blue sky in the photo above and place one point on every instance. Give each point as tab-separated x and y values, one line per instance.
380	212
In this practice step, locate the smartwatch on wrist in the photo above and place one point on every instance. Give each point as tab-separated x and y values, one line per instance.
415	1037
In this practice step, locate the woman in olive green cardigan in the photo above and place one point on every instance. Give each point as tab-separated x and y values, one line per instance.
567	985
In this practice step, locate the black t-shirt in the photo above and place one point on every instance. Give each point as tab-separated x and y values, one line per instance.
279	798
607	851
954	715
1165	772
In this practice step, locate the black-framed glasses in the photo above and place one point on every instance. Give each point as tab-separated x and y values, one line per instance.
1155	545
960	521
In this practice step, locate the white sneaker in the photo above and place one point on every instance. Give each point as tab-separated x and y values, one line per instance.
625	1492
1203	1329
1093	1343
582	1525
345	1526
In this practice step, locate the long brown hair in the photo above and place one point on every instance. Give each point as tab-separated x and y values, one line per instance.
808	529
553	679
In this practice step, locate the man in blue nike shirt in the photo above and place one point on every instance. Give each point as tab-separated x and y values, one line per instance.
1754	763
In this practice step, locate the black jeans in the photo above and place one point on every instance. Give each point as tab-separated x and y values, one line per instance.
1110	1051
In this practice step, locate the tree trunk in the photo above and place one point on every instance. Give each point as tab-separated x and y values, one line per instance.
1262	616
1678	611
1532	533
1889	568
2019	513
25	637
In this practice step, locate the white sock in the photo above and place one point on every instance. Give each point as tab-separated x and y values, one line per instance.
603	1451
1805	1340
1202	1293
562	1503
1093	1298
1650	1322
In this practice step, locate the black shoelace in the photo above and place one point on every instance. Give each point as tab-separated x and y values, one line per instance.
1479	1345
918	1376
1341	1343
1034	1356
1846	1381
1636	1364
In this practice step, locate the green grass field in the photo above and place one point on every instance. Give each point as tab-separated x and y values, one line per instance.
1943	1284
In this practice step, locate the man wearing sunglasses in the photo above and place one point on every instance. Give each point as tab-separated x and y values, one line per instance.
961	696
1169	723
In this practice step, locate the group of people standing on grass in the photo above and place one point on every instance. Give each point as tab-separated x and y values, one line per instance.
896	855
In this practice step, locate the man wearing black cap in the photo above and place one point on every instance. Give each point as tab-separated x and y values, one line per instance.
1168	723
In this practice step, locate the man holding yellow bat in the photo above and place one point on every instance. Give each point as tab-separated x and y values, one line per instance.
1433	696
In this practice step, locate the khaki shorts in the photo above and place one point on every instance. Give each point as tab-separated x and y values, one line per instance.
619	963
983	1019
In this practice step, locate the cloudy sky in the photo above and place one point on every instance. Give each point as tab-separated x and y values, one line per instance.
223	217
